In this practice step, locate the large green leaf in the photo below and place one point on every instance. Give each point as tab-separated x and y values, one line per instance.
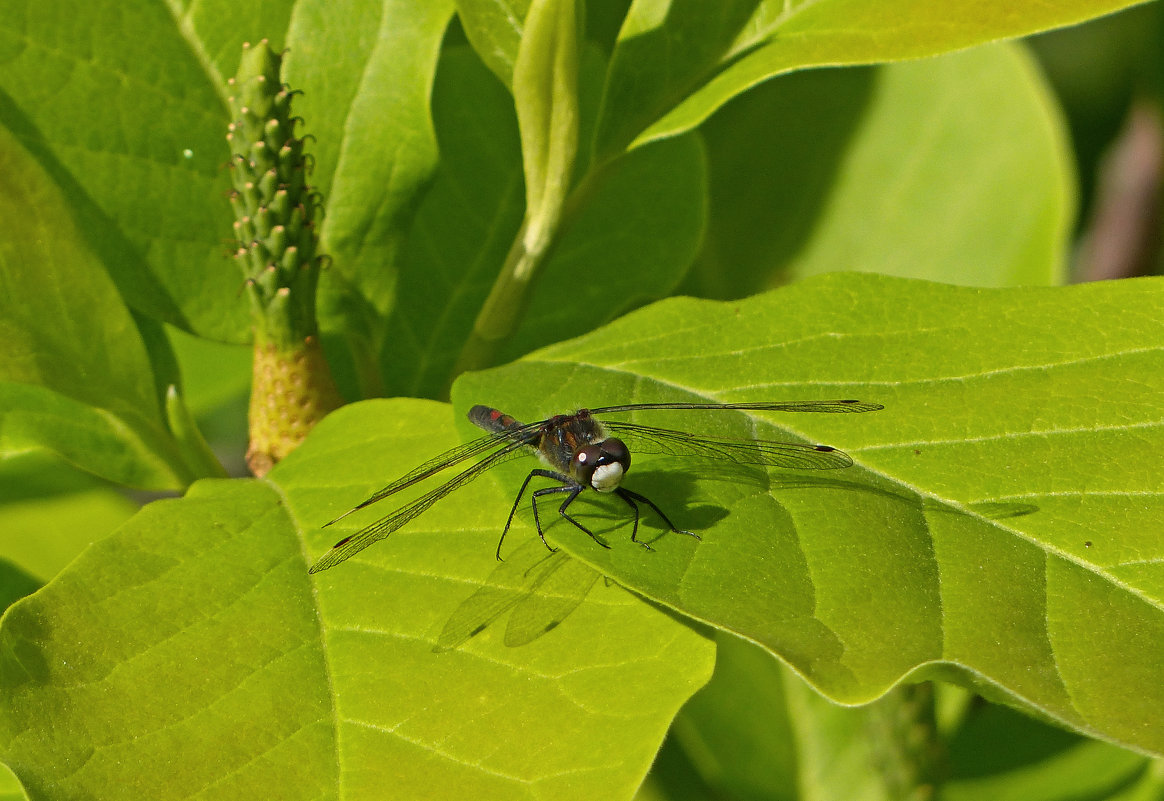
193	640
125	109
1005	517
75	376
1001	527
676	63
953	168
124	105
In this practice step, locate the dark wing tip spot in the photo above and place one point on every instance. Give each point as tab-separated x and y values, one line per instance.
824	448
342	542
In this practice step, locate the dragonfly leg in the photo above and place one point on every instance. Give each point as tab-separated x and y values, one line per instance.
568	485
575	489
626	496
630	497
517	500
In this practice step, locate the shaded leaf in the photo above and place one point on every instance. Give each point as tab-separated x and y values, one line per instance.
675	64
631	240
954	168
75	377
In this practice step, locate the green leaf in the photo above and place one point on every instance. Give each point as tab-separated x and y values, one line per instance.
197	623
737	731
987	151
630	241
677	63
49	514
756	731
954	168
187	641
1004	517
366	71
10	789
494	29
75	377
546	96
129	119
195	450
213	375
133	127
1001	755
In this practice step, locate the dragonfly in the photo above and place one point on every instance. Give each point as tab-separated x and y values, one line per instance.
582	452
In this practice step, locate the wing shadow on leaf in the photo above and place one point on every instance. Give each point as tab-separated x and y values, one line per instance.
538	587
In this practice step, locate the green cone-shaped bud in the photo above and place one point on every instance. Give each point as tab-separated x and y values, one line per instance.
275	213
274	206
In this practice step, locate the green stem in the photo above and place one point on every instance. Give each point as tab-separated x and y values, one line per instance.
505	306
903	735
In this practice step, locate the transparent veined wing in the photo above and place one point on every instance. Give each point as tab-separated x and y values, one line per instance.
351	545
647	439
448	459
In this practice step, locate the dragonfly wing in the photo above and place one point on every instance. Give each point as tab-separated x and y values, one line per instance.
449	458
824	406
354	543
647	439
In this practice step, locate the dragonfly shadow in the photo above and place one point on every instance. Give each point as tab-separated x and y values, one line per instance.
538	589
670	487
612	520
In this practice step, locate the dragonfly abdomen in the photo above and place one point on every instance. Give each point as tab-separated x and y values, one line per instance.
491	419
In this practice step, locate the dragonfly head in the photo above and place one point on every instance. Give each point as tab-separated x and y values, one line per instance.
602	465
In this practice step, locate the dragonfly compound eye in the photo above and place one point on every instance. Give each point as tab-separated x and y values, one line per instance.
597	467
602	466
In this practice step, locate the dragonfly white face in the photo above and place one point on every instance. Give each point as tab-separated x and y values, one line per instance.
601	466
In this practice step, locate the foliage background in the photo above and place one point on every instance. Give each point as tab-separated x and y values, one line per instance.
191	640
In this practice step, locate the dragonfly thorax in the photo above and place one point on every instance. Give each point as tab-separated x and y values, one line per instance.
601	465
